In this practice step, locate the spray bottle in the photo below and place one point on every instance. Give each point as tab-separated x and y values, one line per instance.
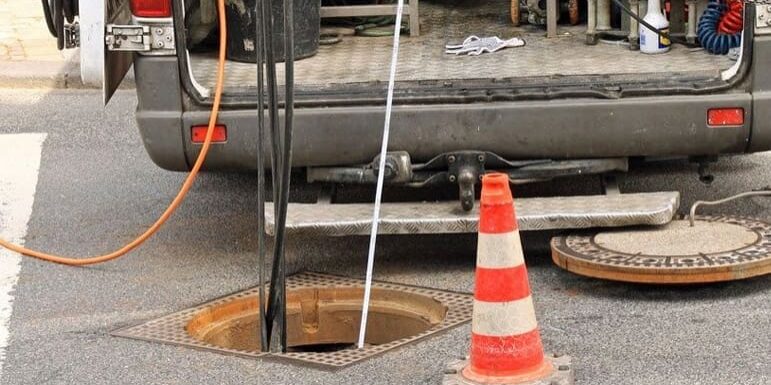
650	41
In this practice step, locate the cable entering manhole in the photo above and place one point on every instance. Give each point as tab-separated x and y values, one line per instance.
320	319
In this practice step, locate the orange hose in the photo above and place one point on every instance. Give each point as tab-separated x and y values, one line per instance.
182	192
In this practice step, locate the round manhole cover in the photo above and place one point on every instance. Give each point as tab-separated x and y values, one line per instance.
717	248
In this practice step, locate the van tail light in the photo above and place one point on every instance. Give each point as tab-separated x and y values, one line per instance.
733	116
151	8
198	133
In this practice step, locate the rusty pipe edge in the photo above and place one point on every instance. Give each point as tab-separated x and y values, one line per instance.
515	12
573	12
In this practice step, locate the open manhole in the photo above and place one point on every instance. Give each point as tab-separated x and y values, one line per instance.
323	315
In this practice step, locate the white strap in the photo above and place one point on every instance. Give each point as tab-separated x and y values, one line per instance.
380	176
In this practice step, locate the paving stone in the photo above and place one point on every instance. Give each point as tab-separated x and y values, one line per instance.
28	53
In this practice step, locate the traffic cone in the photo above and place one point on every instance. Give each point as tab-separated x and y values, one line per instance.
506	345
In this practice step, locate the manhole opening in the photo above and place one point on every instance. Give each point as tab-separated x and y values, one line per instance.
320	348
324	315
322	319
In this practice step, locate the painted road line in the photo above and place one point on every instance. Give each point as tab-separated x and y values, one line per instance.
19	165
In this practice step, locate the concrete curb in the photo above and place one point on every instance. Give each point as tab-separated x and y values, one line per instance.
48	74
38	74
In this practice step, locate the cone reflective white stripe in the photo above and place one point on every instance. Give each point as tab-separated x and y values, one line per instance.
499	250
505	340
520	318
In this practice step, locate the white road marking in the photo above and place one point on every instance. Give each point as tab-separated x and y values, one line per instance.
19	165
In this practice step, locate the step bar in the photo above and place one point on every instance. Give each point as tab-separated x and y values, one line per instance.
573	212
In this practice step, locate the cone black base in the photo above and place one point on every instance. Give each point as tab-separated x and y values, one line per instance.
561	375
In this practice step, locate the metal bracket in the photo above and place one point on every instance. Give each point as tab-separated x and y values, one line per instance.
398	167
72	35
610	185
466	168
704	163
763	19
127	38
140	38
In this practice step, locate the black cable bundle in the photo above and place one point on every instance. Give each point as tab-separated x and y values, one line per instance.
281	165
260	53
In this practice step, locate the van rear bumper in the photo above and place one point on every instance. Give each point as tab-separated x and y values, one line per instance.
567	129
556	129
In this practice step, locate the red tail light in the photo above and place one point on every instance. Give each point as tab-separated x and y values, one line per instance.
198	133
725	116
151	8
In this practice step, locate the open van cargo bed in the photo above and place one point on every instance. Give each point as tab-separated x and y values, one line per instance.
364	60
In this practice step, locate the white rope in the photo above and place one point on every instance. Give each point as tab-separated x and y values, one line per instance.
380	175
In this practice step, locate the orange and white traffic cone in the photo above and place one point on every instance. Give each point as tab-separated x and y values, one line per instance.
506	345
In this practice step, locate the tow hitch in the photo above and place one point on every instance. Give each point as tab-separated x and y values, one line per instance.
464	168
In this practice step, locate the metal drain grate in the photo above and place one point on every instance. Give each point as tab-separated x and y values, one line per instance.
171	329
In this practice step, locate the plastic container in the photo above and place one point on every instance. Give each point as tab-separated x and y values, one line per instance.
242	27
651	42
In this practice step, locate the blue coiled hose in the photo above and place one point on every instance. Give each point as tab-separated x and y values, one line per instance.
711	39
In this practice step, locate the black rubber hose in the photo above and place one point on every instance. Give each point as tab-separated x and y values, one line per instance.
287	161
49	18
259	40
640	20
270	72
276	286
277	300
58	19
68	10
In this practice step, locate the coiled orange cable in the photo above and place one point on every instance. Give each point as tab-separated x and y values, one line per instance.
183	190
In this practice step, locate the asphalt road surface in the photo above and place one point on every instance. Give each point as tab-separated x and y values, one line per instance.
97	189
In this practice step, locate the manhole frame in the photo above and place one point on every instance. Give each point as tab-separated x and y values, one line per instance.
170	329
580	254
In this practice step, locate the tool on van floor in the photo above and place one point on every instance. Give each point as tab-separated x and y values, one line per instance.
506	344
474	45
654	42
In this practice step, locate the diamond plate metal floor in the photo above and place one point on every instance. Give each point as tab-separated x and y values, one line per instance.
365	59
447	217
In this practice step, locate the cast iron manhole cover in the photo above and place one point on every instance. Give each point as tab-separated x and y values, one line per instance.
323	315
717	248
